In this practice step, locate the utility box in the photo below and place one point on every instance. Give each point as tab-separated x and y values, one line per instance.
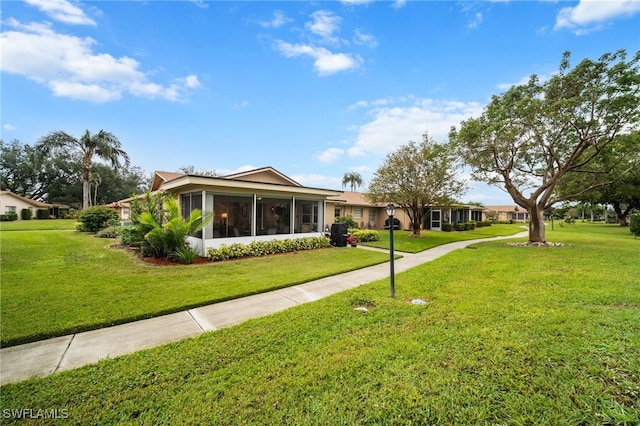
339	234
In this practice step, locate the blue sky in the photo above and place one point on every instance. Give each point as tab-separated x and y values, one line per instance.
313	89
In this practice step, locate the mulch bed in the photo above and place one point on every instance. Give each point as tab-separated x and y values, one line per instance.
158	261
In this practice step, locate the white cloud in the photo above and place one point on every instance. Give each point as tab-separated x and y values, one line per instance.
475	20
594	13
364	39
9	127
394	126
326	62
279	19
69	67
324	24
330	155
240	105
62	11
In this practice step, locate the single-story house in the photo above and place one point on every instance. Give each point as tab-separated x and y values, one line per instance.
512	212
260	204
123	208
14	203
374	216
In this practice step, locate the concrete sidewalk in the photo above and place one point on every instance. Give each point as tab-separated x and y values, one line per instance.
63	353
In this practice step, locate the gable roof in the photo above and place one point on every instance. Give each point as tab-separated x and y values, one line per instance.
353	199
34	203
263	175
161	177
263	179
511	208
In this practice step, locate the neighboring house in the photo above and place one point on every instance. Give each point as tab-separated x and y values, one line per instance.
369	215
515	213
260	204
13	203
364	213
123	209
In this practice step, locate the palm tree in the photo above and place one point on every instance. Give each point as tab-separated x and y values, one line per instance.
353	179
96	180
103	145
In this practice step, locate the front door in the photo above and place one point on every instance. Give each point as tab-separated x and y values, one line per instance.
436	220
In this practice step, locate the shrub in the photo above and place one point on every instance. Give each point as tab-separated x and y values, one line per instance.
109	232
459	226
634	224
8	217
447	227
263	248
469	226
365	235
26	214
42	214
94	219
347	220
185	254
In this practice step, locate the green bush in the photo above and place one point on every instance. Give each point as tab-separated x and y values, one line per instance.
634	224
185	254
264	248
347	220
109	232
94	219
365	235
447	227
469	226
26	214
42	214
8	217
459	226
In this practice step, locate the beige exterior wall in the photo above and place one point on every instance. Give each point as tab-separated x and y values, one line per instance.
10	203
379	215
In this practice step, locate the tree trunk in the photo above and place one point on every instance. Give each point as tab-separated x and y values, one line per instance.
416	229
85	193
622	216
536	225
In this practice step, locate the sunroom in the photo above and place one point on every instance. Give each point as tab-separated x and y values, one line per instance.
261	204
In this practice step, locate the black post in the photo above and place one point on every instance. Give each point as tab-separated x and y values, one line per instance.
391	256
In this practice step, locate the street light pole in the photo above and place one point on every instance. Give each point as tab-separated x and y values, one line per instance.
391	210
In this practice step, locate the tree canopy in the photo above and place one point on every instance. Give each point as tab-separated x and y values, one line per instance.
353	179
532	136
416	176
103	145
55	176
612	178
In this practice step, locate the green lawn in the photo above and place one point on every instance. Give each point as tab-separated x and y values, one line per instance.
402	240
509	335
56	282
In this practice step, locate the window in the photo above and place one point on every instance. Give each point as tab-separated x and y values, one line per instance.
10	209
476	215
189	202
125	213
357	213
306	216
336	212
232	215
273	216
372	218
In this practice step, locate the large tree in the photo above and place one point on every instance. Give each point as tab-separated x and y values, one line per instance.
353	179
103	145
611	178
416	176
532	136
27	172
